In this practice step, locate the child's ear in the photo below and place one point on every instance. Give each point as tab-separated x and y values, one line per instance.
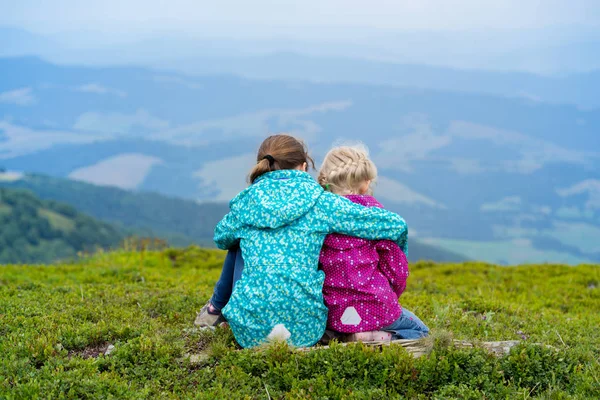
305	167
365	187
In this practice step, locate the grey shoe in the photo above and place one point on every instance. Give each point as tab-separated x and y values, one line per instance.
206	319
328	336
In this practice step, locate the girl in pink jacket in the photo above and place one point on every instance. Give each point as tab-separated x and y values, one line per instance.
363	278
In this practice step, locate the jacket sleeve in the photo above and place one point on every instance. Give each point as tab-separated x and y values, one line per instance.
393	265
348	218
228	232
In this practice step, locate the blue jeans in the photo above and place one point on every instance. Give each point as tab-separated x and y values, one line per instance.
408	326
231	273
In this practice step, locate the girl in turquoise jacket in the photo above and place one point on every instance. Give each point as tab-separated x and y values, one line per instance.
280	222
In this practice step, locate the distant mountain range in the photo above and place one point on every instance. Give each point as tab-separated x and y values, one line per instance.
547	51
338	63
580	89
180	222
501	179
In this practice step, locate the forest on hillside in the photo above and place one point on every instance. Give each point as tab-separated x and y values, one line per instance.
35	230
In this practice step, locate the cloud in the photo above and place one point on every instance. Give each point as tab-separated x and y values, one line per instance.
580	235
399	153
226	176
535	153
511	203
177	80
18	140
591	187
126	171
577	234
415	145
254	124
394	191
544	210
19	97
99	89
465	166
574	213
423	144
117	123
10	176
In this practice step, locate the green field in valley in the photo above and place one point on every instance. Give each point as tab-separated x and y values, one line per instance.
58	321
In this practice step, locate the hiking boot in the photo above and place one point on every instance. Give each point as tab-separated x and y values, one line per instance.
208	317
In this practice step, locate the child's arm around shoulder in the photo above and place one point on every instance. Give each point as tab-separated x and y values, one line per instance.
393	264
227	232
348	218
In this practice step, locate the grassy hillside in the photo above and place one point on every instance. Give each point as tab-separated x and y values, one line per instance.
56	323
33	230
180	221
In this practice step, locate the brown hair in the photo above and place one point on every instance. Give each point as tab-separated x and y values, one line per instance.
279	152
345	168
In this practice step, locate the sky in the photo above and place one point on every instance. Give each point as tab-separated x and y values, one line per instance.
269	16
540	36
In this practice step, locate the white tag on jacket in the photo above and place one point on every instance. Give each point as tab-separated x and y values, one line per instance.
350	317
279	332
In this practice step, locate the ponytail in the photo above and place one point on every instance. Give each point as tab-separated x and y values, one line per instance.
263	166
279	152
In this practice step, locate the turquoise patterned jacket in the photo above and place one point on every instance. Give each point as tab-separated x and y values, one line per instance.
281	222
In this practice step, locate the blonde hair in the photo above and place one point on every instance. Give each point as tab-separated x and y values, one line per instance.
279	152
346	168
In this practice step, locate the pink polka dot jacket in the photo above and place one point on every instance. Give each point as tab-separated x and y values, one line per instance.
363	279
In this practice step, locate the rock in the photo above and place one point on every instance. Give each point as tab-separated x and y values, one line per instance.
109	349
197	358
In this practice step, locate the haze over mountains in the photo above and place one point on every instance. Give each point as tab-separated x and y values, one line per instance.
553	49
569	63
498	166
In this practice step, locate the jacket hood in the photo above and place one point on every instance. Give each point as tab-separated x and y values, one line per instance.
276	199
343	242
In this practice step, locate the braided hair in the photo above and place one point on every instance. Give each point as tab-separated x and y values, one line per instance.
346	168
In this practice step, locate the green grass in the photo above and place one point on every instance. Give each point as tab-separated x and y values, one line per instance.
54	320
